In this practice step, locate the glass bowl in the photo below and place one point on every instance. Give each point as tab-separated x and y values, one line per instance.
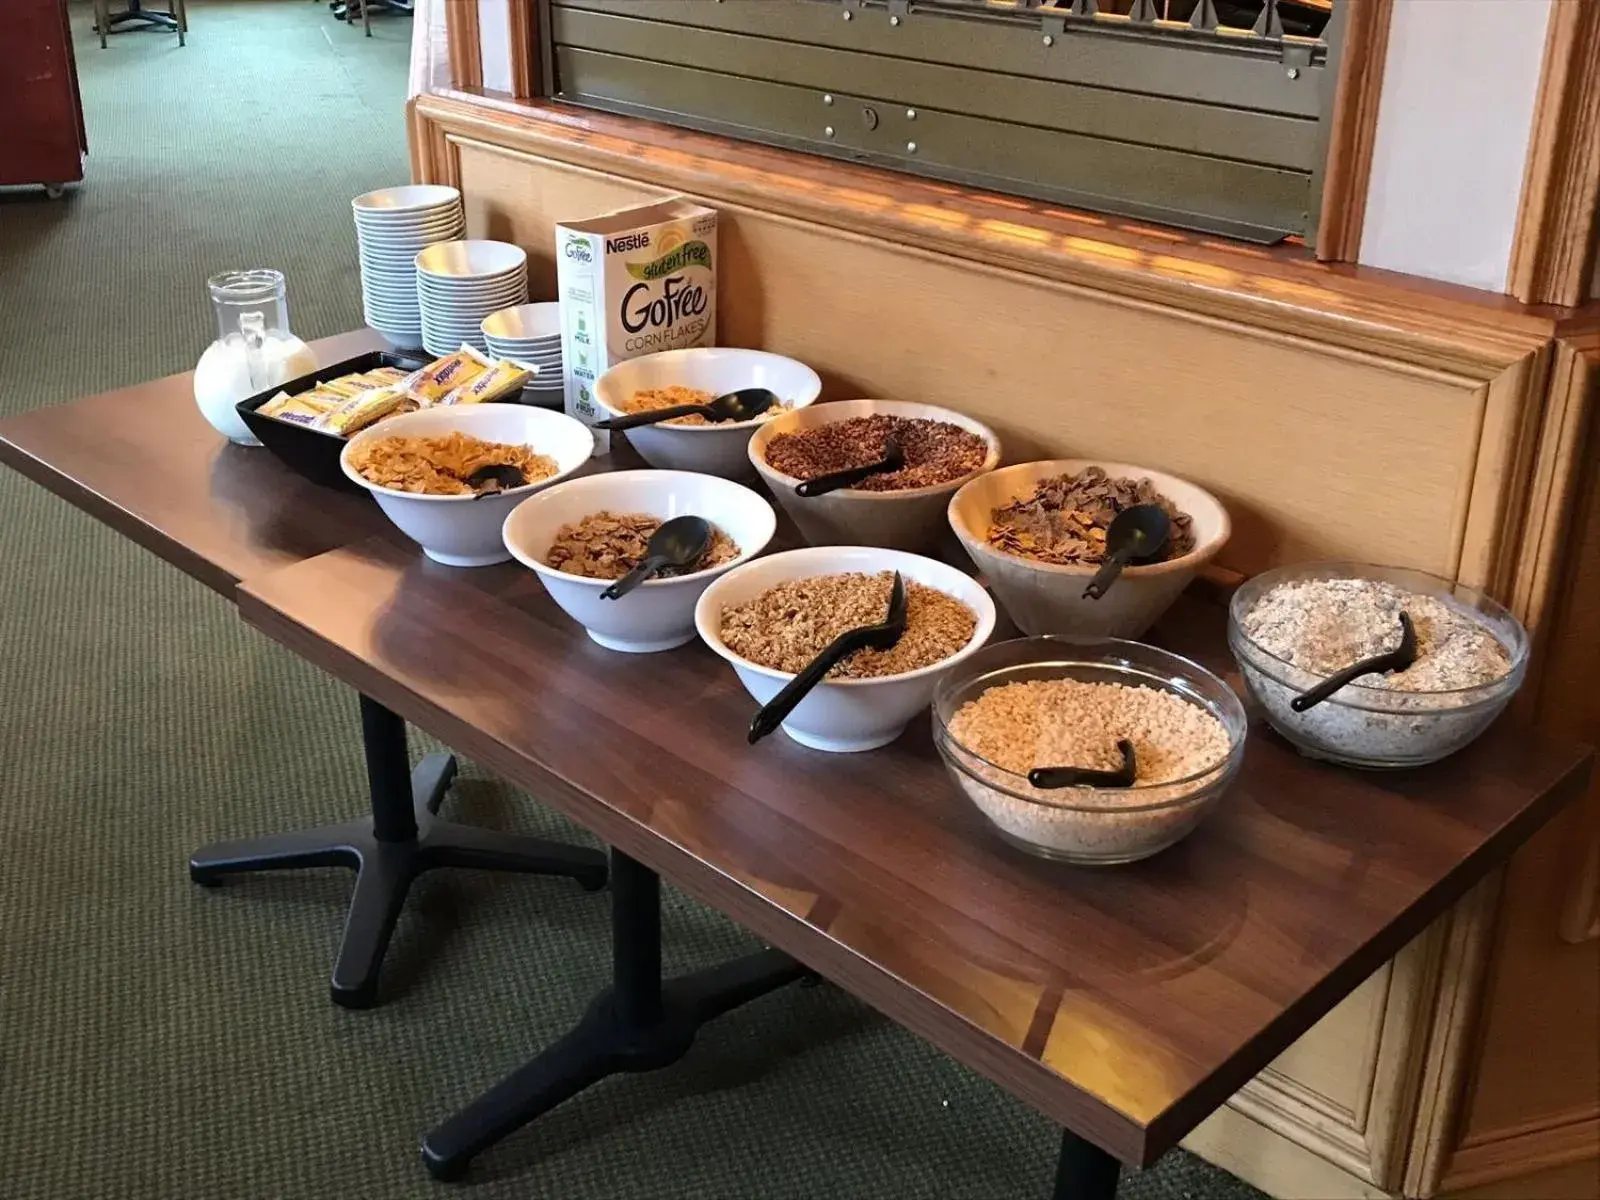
1084	824
1365	726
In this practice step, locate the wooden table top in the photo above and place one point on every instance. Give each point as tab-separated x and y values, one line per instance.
1125	1003
144	461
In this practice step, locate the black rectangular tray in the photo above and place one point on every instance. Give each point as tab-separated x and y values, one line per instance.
312	452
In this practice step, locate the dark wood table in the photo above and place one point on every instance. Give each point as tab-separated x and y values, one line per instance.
1126	1003
145	462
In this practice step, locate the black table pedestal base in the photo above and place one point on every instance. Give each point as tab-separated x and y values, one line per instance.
640	1023
402	839
1084	1171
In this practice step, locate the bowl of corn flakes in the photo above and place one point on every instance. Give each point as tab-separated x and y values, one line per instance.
448	477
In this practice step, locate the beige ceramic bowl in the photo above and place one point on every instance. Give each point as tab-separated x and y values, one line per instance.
912	519
1045	598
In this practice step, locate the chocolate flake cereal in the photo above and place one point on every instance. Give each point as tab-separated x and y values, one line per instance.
607	545
439	466
786	626
935	451
1064	521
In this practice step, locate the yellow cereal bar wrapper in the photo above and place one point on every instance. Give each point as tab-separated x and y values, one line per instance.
345	385
497	381
383	375
360	411
298	412
438	379
274	406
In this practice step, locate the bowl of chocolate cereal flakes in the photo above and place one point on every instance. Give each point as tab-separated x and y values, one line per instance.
697	376
1294	627
1037	533
770	617
581	536
903	508
426	471
1093	751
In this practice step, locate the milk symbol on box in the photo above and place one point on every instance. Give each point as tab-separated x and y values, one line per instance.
631	283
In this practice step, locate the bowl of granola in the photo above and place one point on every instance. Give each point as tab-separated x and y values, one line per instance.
903	509
417	467
1037	533
768	618
695	376
582	535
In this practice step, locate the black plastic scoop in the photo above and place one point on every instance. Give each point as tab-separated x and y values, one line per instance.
893	459
678	543
1060	777
744	405
876	637
497	477
1137	534
1398	659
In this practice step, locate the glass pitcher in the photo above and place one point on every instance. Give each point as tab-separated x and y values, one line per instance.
254	350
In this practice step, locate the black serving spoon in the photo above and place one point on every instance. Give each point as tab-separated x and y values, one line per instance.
1137	534
1060	777
497	477
1398	659
744	405
893	459
676	543
876	637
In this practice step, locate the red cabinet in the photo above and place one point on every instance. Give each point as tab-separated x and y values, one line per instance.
42	138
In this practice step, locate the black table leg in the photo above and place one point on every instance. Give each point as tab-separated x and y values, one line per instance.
1084	1171
639	1023
400	840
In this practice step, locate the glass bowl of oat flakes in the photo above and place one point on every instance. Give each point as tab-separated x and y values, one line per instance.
1293	627
1036	531
1066	702
768	618
584	534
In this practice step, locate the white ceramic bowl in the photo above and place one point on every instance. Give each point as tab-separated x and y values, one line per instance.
844	715
711	449
659	613
412	197
1046	598
473	258
464	531
525	323
913	519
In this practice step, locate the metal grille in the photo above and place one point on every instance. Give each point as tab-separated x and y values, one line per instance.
1207	114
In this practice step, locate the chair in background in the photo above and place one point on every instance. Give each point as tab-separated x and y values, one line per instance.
106	21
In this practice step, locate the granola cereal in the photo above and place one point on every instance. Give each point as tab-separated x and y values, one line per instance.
607	545
439	466
786	626
1064	521
935	451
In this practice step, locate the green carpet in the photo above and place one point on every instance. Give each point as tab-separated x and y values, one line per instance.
163	1041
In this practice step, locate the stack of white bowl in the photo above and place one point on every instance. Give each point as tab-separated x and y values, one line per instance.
461	283
392	225
530	334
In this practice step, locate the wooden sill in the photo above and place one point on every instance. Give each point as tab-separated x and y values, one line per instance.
1439	326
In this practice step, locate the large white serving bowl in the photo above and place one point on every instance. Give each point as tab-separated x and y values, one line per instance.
464	531
1046	598
844	715
659	613
712	449
411	197
912	519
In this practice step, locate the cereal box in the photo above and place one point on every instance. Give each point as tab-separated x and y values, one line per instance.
632	283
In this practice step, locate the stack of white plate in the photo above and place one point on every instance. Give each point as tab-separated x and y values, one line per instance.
530	334
461	283
392	225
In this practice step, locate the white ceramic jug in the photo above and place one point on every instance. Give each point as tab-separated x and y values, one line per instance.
254	349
